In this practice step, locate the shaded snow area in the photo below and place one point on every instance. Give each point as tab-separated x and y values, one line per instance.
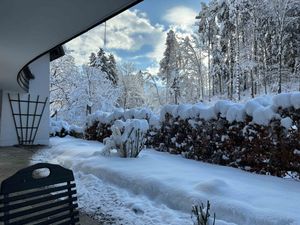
159	188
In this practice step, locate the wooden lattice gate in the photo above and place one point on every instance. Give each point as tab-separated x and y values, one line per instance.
27	114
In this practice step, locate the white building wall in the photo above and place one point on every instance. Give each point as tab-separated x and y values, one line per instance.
38	86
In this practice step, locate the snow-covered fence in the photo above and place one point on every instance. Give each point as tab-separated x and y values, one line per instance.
128	137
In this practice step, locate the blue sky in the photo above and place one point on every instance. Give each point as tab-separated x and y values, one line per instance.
138	34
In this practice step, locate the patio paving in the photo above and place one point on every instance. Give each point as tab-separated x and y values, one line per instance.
13	159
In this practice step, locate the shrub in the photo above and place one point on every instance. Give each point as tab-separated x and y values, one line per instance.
201	215
128	137
59	128
76	131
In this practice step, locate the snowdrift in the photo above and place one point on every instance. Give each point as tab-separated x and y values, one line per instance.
159	188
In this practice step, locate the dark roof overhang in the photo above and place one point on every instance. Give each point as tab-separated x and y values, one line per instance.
56	53
32	28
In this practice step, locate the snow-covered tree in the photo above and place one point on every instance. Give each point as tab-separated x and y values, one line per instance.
95	91
76	92
250	45
169	68
131	83
107	64
63	75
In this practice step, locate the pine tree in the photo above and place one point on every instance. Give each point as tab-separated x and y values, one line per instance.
106	64
169	68
112	65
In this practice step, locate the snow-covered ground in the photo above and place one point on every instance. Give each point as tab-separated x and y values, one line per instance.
159	188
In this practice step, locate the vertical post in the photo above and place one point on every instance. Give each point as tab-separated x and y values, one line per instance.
20	118
40	118
33	120
27	120
12	111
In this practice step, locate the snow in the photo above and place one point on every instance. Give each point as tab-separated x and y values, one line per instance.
295	100
100	116
297	152
252	106
76	129
170	109
282	100
263	115
119	113
58	125
154	121
286	100
183	110
135	124
203	112
160	188
262	110
286	122
222	107
127	137
236	112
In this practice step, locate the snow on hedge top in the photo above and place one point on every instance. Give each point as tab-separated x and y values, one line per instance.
121	114
132	124
286	100
76	129
58	125
261	109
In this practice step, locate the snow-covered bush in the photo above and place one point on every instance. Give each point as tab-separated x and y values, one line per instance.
99	123
61	128
128	137
76	131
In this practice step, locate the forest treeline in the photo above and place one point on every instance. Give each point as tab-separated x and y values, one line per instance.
237	48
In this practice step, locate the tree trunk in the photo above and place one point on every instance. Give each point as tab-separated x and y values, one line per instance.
209	75
238	82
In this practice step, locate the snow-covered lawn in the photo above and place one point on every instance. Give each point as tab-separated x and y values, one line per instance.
160	188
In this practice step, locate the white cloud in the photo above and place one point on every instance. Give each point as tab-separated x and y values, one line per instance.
153	69
159	48
129	31
182	17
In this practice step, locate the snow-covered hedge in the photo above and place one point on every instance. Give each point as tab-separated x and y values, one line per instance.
62	128
99	123
260	135
128	137
262	110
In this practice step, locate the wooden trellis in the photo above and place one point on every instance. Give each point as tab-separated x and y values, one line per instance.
27	114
